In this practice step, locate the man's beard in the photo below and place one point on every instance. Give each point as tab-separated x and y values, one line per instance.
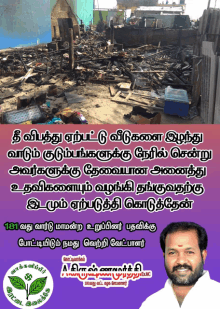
189	280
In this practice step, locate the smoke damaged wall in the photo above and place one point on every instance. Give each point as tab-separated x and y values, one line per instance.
24	22
131	37
63	9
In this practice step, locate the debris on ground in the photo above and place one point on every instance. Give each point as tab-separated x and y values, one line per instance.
31	77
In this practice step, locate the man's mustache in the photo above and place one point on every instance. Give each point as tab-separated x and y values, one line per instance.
184	266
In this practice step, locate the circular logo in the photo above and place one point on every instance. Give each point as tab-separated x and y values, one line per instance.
28	284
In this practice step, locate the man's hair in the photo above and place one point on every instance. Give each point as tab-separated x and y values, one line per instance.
182	227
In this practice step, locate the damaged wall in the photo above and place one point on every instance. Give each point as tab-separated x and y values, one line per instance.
130	36
23	22
82	9
62	9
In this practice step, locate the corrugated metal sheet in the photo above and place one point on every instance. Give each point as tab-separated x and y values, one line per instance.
217	100
209	82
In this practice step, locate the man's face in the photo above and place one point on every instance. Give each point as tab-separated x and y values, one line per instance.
183	259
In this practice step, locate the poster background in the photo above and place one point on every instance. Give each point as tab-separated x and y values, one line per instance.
69	291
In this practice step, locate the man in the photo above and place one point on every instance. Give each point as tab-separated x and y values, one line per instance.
189	286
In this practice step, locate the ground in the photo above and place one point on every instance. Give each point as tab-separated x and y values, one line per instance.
98	108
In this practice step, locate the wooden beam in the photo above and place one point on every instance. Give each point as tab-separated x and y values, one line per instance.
71	49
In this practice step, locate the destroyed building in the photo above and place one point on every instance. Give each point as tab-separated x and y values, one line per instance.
171	17
124	75
73	7
63	18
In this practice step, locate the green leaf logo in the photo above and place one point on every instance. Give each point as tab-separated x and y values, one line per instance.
28	283
17	283
37	286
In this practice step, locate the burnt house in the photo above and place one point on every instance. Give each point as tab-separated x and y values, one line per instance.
63	18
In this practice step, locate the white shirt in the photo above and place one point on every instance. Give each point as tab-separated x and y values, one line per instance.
205	294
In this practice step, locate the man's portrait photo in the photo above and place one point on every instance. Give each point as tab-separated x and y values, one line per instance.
189	286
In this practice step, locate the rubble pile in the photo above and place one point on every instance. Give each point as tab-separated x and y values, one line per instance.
32	79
